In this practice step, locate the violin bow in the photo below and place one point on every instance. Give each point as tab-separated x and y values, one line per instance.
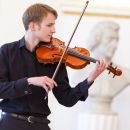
65	50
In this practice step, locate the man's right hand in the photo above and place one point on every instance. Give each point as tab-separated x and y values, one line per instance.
42	81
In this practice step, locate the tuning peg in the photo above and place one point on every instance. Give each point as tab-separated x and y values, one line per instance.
113	76
111	63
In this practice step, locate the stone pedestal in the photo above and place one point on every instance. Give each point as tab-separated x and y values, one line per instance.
93	121
99	115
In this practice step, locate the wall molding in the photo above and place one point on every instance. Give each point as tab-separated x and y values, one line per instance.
75	8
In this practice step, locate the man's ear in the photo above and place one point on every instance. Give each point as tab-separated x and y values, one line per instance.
32	26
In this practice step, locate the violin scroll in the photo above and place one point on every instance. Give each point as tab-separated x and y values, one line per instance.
114	70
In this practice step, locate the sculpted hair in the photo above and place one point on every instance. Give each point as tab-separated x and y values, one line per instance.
36	12
98	31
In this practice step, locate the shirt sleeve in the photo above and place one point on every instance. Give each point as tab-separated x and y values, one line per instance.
10	89
67	95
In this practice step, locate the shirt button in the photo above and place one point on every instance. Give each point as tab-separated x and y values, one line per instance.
25	92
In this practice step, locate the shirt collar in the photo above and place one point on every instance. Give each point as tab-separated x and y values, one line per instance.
22	42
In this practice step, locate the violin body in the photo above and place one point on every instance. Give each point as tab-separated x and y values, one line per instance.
51	52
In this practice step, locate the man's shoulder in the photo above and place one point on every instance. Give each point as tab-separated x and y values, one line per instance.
10	45
9	48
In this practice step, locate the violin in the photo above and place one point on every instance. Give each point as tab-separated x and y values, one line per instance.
76	58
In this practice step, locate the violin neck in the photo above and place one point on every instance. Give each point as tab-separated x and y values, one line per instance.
81	56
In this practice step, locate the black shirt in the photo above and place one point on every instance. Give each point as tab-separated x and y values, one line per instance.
16	65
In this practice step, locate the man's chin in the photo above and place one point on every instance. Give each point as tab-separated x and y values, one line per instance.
47	40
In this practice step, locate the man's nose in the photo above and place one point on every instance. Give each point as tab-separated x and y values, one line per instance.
53	29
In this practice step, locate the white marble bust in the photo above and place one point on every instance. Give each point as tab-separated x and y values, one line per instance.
103	42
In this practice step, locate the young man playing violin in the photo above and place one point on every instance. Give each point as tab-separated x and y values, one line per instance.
24	82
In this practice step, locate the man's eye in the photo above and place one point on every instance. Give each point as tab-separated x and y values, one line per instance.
49	25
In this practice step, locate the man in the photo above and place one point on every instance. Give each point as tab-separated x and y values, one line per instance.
24	82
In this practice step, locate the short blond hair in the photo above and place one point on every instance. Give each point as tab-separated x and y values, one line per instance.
36	12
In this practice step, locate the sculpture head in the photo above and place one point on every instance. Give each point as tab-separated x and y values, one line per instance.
103	40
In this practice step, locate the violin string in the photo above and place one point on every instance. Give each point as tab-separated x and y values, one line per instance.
77	54
74	53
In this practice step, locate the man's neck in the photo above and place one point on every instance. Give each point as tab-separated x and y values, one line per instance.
30	42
